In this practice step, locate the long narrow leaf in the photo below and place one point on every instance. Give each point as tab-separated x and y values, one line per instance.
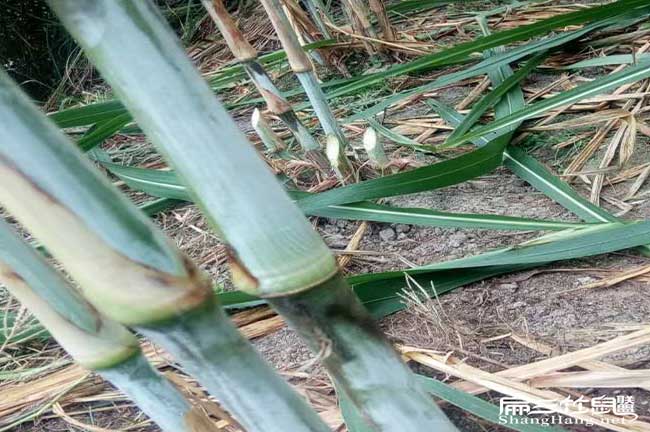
495	96
478	406
380	290
166	184
616	59
596	87
88	115
502	38
532	171
481	68
594	240
104	130
424	217
446	173
438	175
527	167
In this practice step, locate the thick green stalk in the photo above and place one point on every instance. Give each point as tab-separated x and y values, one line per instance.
274	252
125	266
213	336
276	103
363	364
93	341
135	37
303	69
282	108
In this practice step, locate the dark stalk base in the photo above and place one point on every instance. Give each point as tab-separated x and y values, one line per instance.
360	359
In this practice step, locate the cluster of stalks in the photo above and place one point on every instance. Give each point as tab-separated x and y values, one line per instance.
129	273
359	14
336	144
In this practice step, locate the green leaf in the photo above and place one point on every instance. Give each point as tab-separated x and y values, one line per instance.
594	88
159	205
481	68
476	405
380	291
13	332
445	173
495	96
532	171
162	184
594	240
513	99
616	59
166	184
527	167
351	416
460	51
424	217
238	300
89	114
103	130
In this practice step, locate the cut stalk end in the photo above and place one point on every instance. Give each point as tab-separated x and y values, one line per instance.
108	345
339	161
375	149
269	137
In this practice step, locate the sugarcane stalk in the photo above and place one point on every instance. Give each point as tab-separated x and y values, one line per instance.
303	69
269	137
276	103
361	11
339	161
363	364
293	12
358	15
94	341
305	29
125	266
318	11
272	254
387	30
